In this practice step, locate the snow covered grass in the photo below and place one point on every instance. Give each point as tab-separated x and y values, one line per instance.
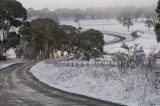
4	64
108	38
147	40
103	83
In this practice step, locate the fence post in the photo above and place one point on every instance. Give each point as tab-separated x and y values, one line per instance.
110	63
82	64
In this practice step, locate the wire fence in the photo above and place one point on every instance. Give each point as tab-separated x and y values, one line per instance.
85	63
146	63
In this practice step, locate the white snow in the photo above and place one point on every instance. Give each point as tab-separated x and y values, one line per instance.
103	83
4	64
109	38
147	40
97	82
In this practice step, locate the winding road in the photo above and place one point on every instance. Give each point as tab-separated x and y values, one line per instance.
120	38
19	88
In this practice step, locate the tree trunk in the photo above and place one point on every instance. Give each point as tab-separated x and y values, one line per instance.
52	53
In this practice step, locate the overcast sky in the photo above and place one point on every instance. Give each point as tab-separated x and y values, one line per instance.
53	4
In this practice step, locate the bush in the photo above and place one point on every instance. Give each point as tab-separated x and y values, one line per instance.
79	28
2	57
77	56
86	56
134	34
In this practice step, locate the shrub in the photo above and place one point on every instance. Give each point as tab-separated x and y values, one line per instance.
134	34
2	57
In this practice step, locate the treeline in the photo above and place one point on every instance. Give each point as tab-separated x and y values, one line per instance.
98	13
110	12
44	13
43	37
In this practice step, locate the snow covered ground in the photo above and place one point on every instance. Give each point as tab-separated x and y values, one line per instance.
98	82
147	40
108	38
103	82
4	64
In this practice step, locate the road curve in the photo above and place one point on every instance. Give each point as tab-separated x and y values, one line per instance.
18	87
121	38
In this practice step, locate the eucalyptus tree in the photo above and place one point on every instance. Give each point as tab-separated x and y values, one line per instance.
46	27
91	44
41	36
69	39
157	27
32	41
128	23
149	24
12	16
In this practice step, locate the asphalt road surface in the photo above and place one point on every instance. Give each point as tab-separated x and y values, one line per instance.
121	38
19	88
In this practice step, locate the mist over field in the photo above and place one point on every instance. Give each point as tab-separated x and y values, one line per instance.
83	4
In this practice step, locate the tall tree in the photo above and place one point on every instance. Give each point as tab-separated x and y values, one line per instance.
157	27
149	24
91	44
127	22
41	36
69	38
12	16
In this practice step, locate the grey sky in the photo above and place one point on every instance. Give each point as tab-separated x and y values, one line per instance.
53	4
